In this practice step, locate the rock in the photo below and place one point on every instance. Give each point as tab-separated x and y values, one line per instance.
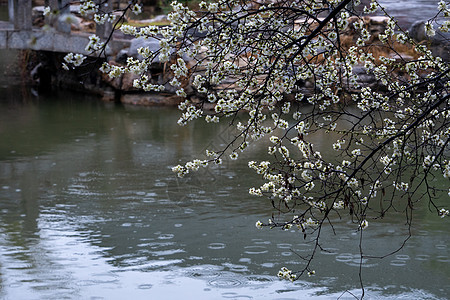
400	56
122	83
374	24
115	83
85	26
157	19
151	43
158	72
417	31
160	18
438	44
127	82
122	56
150	99
364	78
34	74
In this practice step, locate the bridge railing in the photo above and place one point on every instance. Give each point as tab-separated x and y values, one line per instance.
20	34
20	14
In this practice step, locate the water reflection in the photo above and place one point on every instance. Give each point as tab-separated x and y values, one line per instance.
90	209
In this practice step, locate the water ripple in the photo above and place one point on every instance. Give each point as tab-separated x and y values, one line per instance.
204	271
398	263
145	286
284	246
258	279
232	295
443	258
235	267
225	282
166	236
167	252
261	242
441	247
255	250
354	260
402	257
216	246
344	257
422	257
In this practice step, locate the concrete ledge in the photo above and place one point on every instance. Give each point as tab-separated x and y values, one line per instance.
54	41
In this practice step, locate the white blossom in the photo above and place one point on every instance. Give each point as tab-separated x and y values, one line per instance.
364	224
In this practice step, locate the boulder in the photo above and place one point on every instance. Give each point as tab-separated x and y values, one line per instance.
127	82
151	43
157	19
374	24
121	56
439	44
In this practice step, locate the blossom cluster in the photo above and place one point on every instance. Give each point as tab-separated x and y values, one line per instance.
73	59
88	7
298	88
94	44
104	18
285	273
189	166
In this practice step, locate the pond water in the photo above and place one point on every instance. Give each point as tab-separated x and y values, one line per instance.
406	12
89	209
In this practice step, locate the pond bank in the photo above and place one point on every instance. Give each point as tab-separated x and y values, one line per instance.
46	71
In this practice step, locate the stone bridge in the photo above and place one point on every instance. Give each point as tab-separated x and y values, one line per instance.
19	32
